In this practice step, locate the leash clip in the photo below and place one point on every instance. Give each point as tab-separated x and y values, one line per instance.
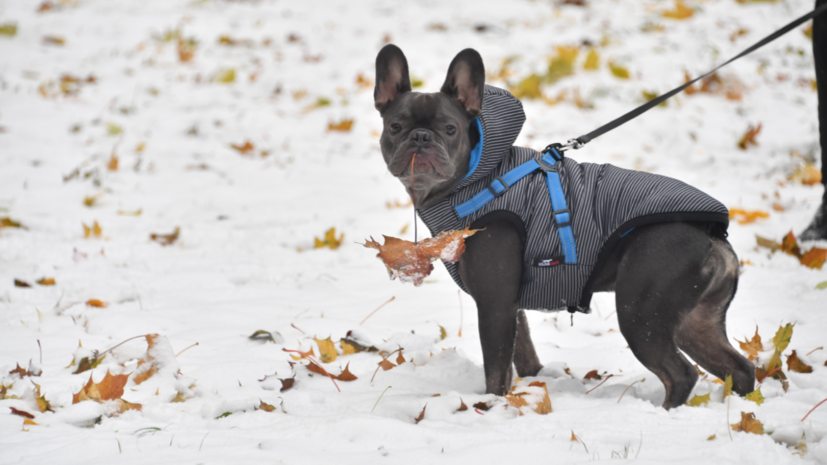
571	144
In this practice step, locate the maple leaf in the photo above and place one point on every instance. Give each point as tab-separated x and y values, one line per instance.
31	371
96	303
110	388
166	239
755	396
795	364
344	125
302	355
814	258
748	424
782	337
287	383
412	262
561	64
327	351
330	241
527	88
749	137
752	346
697	401
85	364
351	346
245	148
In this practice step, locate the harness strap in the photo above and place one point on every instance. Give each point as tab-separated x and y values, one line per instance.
561	214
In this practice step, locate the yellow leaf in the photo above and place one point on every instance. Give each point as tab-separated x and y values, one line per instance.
618	71
8	29
112	165
442	333
782	337
266	407
7	222
681	11
54	40
711	438
528	88
756	396
749	424
562	64
752	346
113	129
327	351
807	174
592	60
329	240
140	147
90	200
225	76
96	303
343	126
46	281
697	401
728	386
26	421
748	138
128	213
746	216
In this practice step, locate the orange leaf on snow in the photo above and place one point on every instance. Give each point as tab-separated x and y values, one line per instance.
681	11
110	388
749	137
96	303
343	125
386	364
346	375
243	149
417	419
749	424
301	355
795	364
752	346
46	281
412	262
25	414
746	216
266	407
814	258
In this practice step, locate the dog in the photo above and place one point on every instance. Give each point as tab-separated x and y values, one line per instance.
672	270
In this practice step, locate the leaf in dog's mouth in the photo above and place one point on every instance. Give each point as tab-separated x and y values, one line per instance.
412	262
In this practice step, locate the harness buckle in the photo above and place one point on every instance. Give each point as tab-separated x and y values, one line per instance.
563	223
545	166
494	192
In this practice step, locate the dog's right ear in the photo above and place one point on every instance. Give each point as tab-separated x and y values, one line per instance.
392	77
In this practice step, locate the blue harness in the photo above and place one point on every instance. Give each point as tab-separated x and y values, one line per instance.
500	186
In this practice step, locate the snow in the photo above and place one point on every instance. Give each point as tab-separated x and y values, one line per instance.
244	260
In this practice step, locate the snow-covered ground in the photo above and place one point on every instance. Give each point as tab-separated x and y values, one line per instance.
245	261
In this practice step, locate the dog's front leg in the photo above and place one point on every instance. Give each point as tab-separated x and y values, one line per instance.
491	270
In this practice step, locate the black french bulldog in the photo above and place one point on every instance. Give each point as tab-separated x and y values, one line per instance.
673	281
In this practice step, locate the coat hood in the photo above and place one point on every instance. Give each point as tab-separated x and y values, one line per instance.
499	124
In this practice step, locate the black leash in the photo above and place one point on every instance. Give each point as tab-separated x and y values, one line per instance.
585	139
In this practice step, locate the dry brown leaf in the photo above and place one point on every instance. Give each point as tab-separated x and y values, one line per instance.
795	364
748	424
110	388
287	383
266	407
748	138
417	419
42	403
752	346
462	406
346	375
412	262
21	283
7	222
386	364
186	49
25	414
814	258
166	239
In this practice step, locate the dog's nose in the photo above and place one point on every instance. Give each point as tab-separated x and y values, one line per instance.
420	136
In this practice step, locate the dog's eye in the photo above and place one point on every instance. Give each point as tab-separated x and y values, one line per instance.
450	130
395	127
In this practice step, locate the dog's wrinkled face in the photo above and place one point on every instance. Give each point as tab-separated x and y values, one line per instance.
437	127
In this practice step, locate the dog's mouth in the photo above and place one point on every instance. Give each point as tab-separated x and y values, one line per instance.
425	162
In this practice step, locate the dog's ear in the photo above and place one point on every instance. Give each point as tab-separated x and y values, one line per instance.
466	81
392	77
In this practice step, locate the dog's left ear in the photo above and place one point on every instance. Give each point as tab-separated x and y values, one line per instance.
466	81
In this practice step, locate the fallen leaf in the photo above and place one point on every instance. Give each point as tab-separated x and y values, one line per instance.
110	388
94	231
711	438
346	375
7	222
592	60
618	71
814	258
266	407
287	383
244	148
22	413
327	351
525	396
54	40
186	49
8	29
746	216
344	125
46	281
561	64
224	76
593	375
166	239
697	401
681	11
386	364
26	421
527	88
416	420
748	424
159	356
728	386
412	262
261	334
85	364
113	129
755	396
90	200
132	213
442	333
752	346
482	406
350	346
399	358
302	355
19	283
748	138
96	303
42	403
806	174
462	406
821	286
782	337
795	364
330	241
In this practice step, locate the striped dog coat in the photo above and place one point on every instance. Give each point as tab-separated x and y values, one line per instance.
569	215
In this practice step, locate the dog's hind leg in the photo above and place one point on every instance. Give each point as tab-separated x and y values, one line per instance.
525	357
702	335
658	285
